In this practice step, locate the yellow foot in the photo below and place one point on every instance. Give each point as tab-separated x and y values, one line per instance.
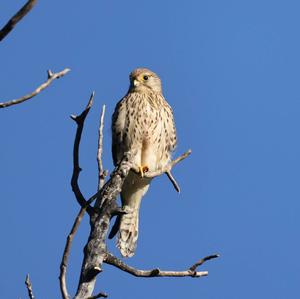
142	170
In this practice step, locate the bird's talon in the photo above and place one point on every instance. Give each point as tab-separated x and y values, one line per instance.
145	169
142	170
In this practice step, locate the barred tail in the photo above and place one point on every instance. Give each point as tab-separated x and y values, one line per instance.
128	233
133	191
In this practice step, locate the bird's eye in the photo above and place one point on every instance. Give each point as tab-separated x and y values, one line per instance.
145	77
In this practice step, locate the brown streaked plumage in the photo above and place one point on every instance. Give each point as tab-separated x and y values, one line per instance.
142	121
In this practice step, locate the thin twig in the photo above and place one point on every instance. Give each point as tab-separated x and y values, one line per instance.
76	168
191	272
51	77
29	287
180	158
9	26
173	181
203	260
101	172
65	257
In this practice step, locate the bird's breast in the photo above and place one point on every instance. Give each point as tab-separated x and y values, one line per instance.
145	126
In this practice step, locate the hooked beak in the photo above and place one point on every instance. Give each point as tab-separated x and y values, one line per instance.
136	83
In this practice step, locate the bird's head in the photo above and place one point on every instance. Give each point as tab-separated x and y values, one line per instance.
143	80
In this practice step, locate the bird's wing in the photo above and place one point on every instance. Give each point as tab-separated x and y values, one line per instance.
169	124
118	125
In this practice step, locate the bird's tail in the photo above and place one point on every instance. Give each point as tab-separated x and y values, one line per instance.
132	194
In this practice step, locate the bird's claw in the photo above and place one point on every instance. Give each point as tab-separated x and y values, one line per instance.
142	170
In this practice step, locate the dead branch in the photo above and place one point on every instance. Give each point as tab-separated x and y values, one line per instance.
64	261
51	77
76	168
202	261
191	272
29	287
84	204
95	249
9	26
173	181
101	172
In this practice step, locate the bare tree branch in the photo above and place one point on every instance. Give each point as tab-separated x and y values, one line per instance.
9	26
112	260
64	261
76	168
29	287
84	204
203	260
95	249
101	172
51	77
173	181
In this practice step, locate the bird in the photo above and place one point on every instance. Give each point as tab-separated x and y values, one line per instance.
142	122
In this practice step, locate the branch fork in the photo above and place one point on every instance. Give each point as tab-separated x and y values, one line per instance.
166	170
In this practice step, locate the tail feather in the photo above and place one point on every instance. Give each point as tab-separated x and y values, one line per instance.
128	233
133	190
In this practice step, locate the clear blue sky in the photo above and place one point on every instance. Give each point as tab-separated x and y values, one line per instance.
230	70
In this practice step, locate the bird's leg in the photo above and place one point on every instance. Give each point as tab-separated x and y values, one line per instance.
144	153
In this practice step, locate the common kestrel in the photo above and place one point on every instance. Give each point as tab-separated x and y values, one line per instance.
142	121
